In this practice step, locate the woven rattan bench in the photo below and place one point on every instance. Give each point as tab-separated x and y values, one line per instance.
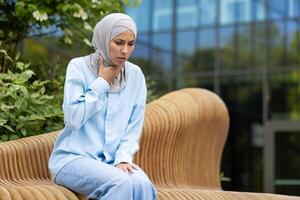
183	138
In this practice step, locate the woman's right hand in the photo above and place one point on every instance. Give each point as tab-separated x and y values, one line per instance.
108	73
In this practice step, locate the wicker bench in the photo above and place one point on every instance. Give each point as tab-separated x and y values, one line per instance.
183	138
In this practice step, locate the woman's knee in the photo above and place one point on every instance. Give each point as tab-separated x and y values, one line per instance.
122	180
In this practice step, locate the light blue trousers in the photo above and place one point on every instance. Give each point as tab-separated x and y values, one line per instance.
98	180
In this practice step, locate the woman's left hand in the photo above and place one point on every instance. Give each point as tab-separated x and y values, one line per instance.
127	167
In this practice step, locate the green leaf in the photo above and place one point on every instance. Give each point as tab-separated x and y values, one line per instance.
3	121
5	108
13	137
36	117
4	137
24	132
8	128
19	8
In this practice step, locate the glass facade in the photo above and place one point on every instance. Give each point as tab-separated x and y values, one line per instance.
248	52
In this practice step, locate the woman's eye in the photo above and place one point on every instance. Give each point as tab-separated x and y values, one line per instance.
118	42
131	44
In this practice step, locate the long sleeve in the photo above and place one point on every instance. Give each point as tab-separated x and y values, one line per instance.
81	101
129	144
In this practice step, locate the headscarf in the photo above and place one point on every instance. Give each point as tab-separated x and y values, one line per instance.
108	28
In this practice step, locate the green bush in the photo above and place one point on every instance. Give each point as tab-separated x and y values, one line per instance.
25	108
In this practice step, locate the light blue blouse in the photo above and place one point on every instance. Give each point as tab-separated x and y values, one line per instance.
98	124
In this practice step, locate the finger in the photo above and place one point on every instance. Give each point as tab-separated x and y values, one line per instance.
125	169
134	166
130	169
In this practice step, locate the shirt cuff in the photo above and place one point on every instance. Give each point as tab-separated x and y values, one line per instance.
100	85
123	158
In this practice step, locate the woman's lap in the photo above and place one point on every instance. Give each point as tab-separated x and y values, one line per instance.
95	179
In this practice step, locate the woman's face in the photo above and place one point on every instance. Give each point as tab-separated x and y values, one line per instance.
121	47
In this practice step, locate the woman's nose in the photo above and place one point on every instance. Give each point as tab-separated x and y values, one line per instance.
124	49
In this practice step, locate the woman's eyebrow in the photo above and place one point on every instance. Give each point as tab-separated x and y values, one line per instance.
124	40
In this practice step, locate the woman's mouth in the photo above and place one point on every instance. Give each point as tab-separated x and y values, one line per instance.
122	58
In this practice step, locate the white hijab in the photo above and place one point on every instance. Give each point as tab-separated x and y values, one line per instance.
108	28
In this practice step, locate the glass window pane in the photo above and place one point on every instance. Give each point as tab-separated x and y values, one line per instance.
161	63
277	9
287	160
294	8
208	12
259	10
259	45
141	15
187	14
200	82
227	47
245	47
162	41
285	95
162	15
233	11
140	51
206	50
186	43
293	44
242	96
277	45
207	38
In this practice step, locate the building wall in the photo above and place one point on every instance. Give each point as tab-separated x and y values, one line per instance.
248	52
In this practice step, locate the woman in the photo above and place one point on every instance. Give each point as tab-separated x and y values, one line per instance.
104	104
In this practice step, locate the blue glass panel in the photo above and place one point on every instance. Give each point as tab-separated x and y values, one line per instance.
259	10
141	15
207	38
208	11
293	32
186	42
187	13
233	11
162	41
294	8
140	51
277	9
277	55
162	15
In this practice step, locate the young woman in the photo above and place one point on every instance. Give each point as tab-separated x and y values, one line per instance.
104	104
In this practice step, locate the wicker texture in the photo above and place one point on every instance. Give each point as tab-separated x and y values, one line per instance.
183	138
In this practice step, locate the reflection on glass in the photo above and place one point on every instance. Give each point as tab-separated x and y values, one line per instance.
205	53
200	82
162	41
293	44
162	15
207	38
277	9
143	38
287	162
277	44
186	43
259	45
208	11
245	47
235	11
294	8
161	63
186	9
140	15
285	95
227	47
140	51
259	10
